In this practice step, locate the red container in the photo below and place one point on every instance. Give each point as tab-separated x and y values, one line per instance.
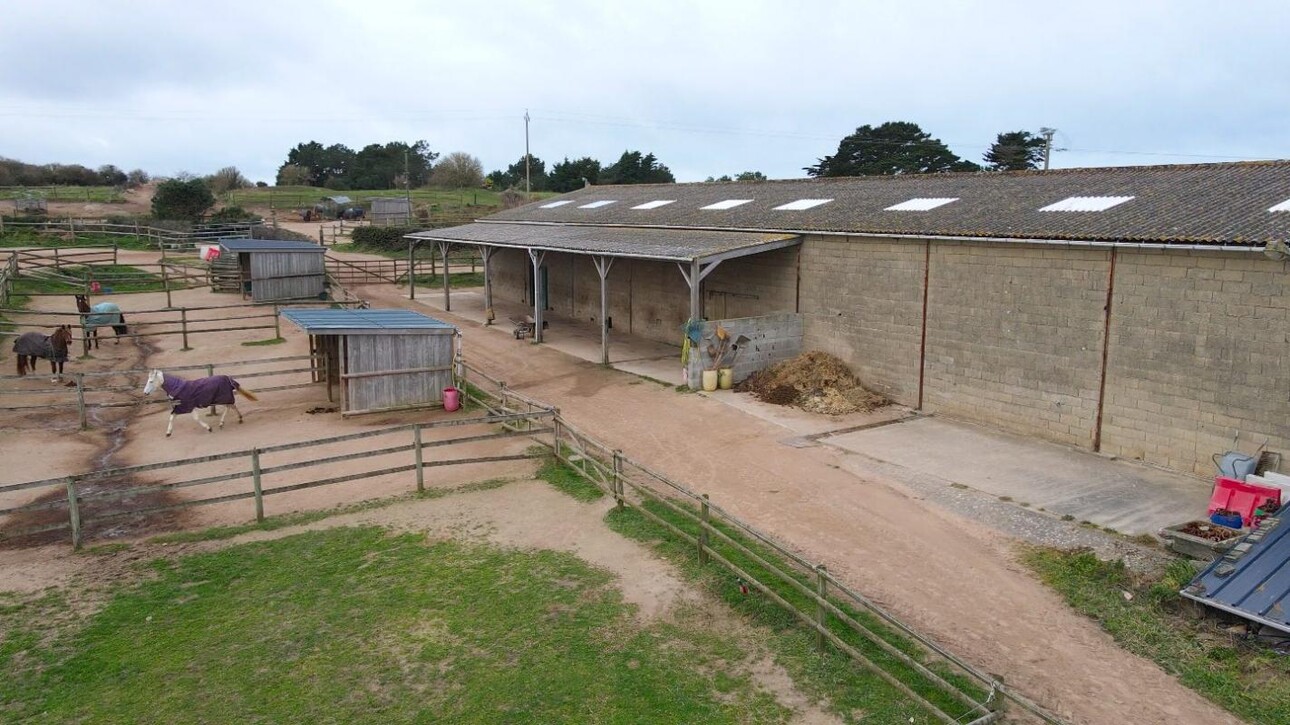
452	400
1241	497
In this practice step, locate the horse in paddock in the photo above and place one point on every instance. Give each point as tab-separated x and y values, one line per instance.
53	348
194	395
101	315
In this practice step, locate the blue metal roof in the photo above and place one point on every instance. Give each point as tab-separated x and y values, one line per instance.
269	245
1253	579
334	322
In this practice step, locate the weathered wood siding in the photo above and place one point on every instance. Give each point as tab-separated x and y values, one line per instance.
379	353
286	276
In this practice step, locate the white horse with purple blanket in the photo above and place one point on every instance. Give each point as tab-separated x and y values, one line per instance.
194	395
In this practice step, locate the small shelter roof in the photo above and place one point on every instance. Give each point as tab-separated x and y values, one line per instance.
679	245
269	245
364	322
339	199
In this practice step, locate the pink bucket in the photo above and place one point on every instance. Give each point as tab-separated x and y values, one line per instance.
451	399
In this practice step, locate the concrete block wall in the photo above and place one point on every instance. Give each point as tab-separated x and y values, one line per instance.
772	338
752	286
1198	351
1014	337
862	300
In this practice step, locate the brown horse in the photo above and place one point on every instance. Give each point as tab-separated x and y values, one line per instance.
100	315
53	348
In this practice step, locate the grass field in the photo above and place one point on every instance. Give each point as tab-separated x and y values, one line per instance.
30	238
104	194
359	625
118	277
1243	677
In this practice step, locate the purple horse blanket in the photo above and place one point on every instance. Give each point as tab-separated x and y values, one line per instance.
190	395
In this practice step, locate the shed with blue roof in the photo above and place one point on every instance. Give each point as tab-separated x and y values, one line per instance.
271	270
381	360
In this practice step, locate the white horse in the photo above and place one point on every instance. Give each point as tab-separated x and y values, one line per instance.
195	395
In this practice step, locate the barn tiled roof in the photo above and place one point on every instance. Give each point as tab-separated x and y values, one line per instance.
681	245
1224	203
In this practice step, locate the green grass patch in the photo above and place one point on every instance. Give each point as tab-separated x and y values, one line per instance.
121	278
1243	677
359	625
567	479
831	674
102	194
456	279
270	341
18	237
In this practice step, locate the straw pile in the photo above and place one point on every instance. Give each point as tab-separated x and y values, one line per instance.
813	381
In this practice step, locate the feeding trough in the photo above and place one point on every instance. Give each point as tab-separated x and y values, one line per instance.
1201	540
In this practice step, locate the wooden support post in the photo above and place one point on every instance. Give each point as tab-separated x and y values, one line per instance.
555	436
412	270
80	400
210	372
487	254
416	447
183	325
165	280
537	257
74	512
56	263
821	611
114	251
447	298
255	481
277	323
703	530
603	265
618	477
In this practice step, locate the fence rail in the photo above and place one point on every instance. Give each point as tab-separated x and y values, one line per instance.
393	271
162	238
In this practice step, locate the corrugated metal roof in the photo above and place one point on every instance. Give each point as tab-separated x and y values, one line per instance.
269	245
327	321
1253	579
680	245
1187	204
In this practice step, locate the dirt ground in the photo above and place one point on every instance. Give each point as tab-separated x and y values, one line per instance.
137	201
947	576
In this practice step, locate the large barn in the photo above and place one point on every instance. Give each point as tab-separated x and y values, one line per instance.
1136	311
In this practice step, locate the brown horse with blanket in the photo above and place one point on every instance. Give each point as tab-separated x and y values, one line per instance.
53	348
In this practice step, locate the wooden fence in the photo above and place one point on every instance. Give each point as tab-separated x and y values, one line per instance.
97	391
393	271
159	237
8	275
58	193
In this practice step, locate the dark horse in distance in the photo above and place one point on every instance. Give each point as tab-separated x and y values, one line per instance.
101	315
53	348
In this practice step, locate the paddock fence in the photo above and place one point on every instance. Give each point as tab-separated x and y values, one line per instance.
394	271
94	392
162	238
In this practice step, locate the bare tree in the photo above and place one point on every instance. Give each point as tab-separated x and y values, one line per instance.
227	179
458	170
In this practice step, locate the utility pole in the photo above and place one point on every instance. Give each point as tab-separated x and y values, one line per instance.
528	186
407	186
1047	133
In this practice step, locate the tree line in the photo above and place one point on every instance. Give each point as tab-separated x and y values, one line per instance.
18	173
901	147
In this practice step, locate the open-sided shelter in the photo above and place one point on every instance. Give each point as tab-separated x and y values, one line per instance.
270	270
381	360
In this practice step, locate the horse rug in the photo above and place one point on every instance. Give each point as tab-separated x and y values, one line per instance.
42	346
190	395
104	314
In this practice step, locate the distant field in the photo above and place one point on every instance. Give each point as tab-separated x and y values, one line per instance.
289	197
63	193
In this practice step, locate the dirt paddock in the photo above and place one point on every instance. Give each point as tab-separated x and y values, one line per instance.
47	443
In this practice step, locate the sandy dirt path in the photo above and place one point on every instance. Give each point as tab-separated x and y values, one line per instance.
949	577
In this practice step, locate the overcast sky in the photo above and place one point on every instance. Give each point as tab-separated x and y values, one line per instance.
710	87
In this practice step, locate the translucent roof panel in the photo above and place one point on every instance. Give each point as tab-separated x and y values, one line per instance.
554	204
802	204
1087	203
598	204
922	203
1283	206
727	204
654	204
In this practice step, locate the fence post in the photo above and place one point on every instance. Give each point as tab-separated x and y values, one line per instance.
277	323
703	530
165	280
74	512
183	323
555	435
210	372
416	447
56	259
80	399
821	611
114	250
255	481
618	477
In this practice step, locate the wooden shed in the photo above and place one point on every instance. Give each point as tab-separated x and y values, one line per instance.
381	360
271	270
391	210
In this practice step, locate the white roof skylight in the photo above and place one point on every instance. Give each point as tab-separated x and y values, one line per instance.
802	204
598	204
1087	203
654	204
1283	206
922	203
554	204
727	204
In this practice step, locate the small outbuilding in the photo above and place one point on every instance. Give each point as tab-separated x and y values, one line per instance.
391	210
382	360
270	270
